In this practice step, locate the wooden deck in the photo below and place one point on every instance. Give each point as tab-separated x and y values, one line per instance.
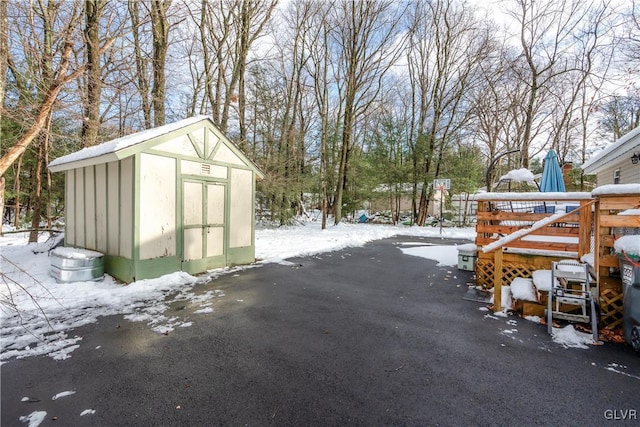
519	233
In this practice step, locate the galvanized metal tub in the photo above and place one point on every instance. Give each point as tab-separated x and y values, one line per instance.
76	265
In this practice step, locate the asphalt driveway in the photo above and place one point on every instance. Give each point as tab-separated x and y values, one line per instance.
366	336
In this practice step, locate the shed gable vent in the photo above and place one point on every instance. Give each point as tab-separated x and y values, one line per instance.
206	169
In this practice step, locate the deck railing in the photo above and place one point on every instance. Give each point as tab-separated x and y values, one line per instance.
518	233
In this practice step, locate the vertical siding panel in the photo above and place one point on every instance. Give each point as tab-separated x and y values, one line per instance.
240	208
90	207
80	214
126	207
157	201
101	207
70	208
113	208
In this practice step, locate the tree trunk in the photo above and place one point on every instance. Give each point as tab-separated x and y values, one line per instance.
16	189
91	119
3	74
160	30
141	62
36	194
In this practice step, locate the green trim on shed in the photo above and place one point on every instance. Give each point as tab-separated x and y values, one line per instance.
205	140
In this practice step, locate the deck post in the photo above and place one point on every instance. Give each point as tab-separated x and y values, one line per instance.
584	238
497	280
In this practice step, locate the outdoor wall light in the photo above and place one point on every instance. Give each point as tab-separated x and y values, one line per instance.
635	158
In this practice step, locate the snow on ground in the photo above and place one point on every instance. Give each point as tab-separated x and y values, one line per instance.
278	244
34	419
38	315
569	337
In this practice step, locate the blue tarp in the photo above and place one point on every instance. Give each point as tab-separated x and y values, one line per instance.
552	179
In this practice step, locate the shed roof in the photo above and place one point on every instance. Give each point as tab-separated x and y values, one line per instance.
628	143
128	145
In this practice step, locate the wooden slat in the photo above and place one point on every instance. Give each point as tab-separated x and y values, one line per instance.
609	261
607	241
522	216
584	242
546	231
526	244
620	202
538	260
620	220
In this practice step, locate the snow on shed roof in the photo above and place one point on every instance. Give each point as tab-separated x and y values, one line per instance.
612	152
115	145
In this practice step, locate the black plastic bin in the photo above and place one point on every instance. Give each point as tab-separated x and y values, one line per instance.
630	274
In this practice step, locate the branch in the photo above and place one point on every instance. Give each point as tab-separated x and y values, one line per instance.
46	106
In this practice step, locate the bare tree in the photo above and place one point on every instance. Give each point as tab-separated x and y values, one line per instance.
547	32
227	31
45	36
446	47
160	28
367	36
150	75
318	69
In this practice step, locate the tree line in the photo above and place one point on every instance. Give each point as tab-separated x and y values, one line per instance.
339	99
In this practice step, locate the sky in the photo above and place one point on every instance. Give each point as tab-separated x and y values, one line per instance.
44	314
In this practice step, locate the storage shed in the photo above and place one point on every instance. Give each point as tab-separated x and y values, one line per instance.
176	197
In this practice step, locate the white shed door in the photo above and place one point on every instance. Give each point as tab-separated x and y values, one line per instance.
204	220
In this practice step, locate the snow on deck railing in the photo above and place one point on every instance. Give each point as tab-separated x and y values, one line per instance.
616	189
533	196
526	231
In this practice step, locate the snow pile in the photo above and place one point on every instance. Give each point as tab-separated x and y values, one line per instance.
629	245
76	253
34	419
522	289
519	175
542	280
467	247
569	337
506	301
616	189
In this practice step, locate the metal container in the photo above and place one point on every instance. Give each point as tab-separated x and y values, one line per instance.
467	260
76	265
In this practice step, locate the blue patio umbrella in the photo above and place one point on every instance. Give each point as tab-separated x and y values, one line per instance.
552	179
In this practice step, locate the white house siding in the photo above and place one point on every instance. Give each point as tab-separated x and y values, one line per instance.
629	173
241	208
157	233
